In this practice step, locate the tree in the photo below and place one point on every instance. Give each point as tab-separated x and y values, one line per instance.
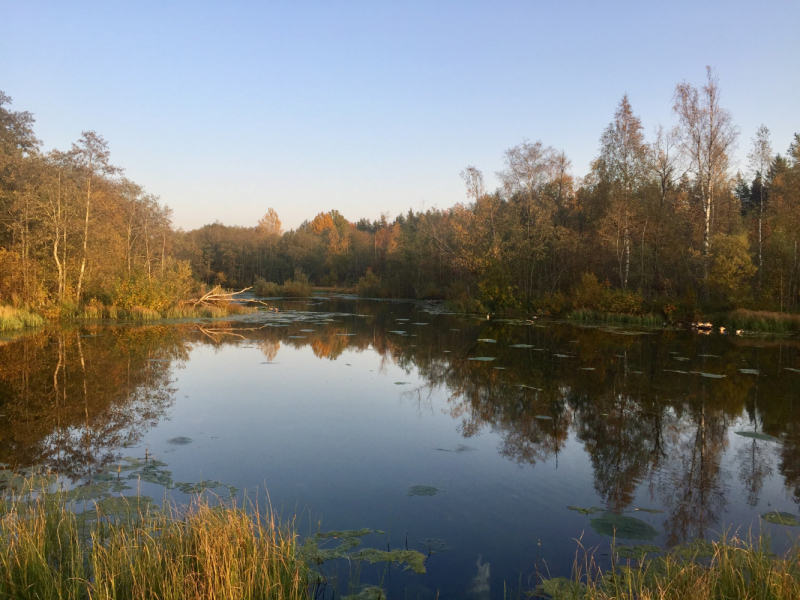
623	165
707	137
91	156
269	224
760	158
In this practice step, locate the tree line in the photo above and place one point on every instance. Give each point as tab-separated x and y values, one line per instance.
660	222
73	228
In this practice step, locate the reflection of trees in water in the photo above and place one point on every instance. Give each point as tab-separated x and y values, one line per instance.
70	397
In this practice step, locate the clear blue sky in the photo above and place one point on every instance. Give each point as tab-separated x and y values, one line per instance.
226	108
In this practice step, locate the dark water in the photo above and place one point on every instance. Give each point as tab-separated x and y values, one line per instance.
338	423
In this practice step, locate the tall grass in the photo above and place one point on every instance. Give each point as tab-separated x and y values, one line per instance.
197	552
761	320
18	318
97	310
732	568
649	320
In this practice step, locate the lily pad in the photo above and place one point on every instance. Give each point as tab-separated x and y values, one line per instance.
791	369
561	355
423	490
482	358
181	440
487	340
757	435
709	375
781	518
625	528
749	371
586	511
544	417
649	510
586	369
435	545
521	346
696	549
401	382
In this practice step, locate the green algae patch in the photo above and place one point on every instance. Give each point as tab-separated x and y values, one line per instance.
622	527
586	511
423	490
413	560
781	518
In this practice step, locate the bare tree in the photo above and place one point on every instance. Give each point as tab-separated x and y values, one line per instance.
665	159
707	137
760	158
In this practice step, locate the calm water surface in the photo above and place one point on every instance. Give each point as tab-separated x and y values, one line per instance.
339	407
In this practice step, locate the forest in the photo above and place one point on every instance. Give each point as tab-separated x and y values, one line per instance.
665	223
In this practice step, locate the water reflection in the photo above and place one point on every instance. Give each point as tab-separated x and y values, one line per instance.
653	411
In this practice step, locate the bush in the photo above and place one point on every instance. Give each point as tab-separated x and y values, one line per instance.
297	287
369	286
155	292
591	295
262	287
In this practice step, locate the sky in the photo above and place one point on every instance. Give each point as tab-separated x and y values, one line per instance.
224	109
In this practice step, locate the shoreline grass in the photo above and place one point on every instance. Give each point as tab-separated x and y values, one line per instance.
98	311
135	552
760	320
18	318
593	316
732	568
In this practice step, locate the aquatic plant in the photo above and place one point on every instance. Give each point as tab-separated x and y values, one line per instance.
622	527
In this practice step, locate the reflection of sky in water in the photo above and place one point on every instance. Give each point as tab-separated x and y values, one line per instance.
322	425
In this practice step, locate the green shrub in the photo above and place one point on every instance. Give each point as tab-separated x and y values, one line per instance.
18	318
369	286
262	287
299	287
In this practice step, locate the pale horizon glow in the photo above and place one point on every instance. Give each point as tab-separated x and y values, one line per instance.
225	110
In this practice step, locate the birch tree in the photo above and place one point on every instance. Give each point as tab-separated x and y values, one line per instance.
760	159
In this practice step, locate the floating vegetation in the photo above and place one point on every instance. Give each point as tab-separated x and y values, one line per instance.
419	323
527	387
543	417
697	548
521	346
413	560
586	369
482	358
791	369
308	330
347	533
675	371
681	358
586	511
181	440
423	490
369	592
649	510
709	355
345	334
749	371
757	435
401	382
435	546
298	337
561	355
781	518
638	551
622	527
487	340
399	332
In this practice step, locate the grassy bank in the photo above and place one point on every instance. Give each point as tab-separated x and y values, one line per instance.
759	320
593	316
17	318
730	569
139	313
125	550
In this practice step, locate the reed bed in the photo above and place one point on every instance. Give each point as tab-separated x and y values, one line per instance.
47	550
761	320
18	318
97	310
730	569
593	316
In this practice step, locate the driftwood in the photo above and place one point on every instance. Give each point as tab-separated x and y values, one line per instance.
214	297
